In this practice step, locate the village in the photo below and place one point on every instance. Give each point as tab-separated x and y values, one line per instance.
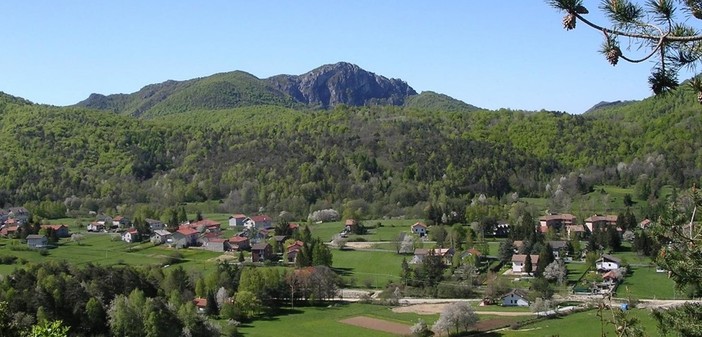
256	240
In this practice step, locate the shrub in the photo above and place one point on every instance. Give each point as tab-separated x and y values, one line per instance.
43	252
8	259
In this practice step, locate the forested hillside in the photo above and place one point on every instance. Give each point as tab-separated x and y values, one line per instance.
378	160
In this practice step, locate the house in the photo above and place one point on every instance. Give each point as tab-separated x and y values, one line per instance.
20	214
293	250
9	230
559	248
350	225
607	262
216	244
262	221
515	298
37	241
249	224
200	305
120	222
293	227
600	221
185	237
96	227
518	246
261	252
419	229
573	231
611	277
555	222
162	236
445	253
237	220
61	231
239	243
155	224
131	235
519	261
203	226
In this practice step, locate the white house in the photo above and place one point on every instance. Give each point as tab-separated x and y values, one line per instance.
237	220
419	229
608	262
518	263
131	235
515	298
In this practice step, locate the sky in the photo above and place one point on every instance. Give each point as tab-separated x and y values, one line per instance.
510	54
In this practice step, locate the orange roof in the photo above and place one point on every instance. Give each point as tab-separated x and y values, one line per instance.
237	239
54	227
350	222
200	302
186	231
419	224
238	216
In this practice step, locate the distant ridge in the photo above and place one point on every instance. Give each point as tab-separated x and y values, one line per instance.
324	87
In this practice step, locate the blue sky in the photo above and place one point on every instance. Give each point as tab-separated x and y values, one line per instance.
492	54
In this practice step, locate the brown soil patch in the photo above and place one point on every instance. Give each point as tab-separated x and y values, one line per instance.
378	324
359	245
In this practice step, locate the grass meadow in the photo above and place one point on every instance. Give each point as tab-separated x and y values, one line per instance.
324	321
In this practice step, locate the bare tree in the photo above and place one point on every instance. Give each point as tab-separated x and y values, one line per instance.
556	271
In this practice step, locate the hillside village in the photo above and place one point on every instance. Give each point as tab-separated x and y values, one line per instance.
257	239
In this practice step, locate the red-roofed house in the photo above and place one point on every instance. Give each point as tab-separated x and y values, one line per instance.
601	221
239	243
555	221
200	304
262	221
645	223
206	225
185	237
8	230
293	250
419	228
60	230
131	235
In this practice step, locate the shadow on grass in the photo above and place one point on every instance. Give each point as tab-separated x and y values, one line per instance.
343	271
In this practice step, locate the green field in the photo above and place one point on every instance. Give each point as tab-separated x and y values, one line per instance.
645	282
374	268
324	321
99	248
582	324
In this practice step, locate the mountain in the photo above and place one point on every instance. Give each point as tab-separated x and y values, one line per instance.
324	87
606	105
430	100
342	83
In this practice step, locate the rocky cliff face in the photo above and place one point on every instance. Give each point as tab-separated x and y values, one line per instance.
342	83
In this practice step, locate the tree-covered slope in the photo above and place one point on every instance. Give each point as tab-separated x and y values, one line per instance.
384	160
429	100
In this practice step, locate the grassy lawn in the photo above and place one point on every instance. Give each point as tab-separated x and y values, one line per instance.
368	267
575	271
101	249
644	282
324	321
585	324
389	230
